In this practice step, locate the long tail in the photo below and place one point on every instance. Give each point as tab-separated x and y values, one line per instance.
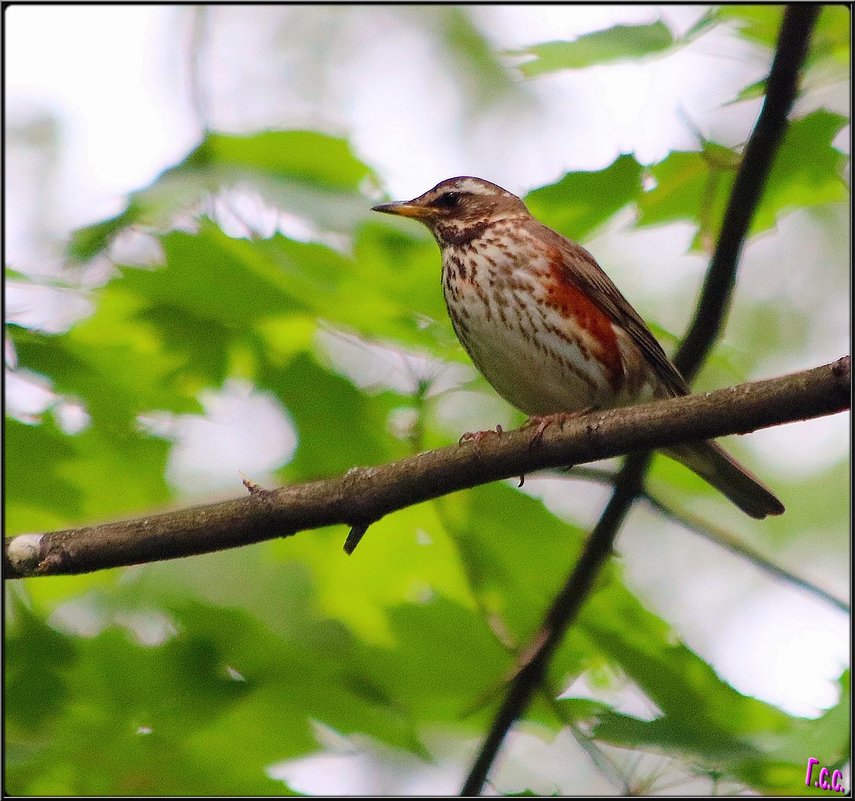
713	464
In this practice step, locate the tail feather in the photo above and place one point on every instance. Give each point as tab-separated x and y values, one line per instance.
714	465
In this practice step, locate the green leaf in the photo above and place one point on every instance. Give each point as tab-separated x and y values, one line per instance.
619	43
807	171
205	711
211	307
750	92
696	186
35	701
829	54
89	363
706	22
307	173
757	23
771	759
86	243
445	655
230	282
314	158
682	685
513	550
582	201
243	291
691	186
828	735
831	37
36	494
110	467
94	475
679	186
130	717
396	277
701	715
339	427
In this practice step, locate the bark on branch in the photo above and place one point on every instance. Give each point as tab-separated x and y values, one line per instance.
365	494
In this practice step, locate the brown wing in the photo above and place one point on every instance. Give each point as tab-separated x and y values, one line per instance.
590	278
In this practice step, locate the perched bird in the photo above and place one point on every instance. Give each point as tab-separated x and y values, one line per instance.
547	327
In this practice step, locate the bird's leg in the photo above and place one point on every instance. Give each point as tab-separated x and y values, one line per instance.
544	421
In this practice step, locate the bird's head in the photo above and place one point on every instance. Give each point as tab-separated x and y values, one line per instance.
459	209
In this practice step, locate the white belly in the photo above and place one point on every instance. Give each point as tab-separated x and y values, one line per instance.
521	349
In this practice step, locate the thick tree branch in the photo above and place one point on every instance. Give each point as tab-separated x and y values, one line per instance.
366	494
710	314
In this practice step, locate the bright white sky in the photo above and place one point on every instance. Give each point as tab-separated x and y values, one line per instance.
97	68
110	75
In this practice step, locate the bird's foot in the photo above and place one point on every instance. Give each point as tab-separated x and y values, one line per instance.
559	418
477	436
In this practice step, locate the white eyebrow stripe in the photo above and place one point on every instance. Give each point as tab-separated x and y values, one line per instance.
475	187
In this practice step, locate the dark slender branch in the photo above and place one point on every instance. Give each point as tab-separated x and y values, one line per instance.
704	330
368	493
760	151
717	536
729	542
565	607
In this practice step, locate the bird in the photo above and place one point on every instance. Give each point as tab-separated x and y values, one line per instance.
546	326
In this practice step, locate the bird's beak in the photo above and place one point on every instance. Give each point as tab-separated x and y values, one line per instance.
404	208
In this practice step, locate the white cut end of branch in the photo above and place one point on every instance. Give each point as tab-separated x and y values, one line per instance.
24	552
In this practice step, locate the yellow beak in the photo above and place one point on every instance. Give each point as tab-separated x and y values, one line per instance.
404	208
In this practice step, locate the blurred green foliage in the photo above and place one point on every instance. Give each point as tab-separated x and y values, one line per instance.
198	676
619	43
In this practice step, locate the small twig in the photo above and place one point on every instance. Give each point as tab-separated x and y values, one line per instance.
250	485
729	542
199	23
717	536
357	532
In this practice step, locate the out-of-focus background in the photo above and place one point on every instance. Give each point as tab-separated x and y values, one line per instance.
290	336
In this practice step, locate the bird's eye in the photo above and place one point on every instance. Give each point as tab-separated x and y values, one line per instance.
448	200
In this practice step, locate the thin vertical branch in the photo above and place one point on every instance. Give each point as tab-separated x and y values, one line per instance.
199	22
628	485
781	88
